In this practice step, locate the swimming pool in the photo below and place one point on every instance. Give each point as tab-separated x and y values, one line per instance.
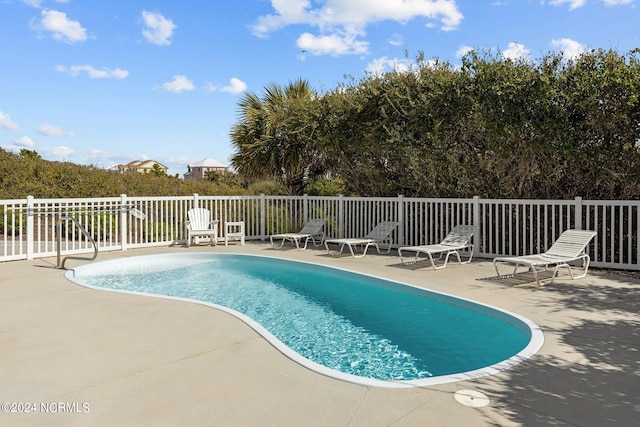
343	324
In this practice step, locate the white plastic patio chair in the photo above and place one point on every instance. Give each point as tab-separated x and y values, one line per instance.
459	238
314	230
199	223
379	235
569	247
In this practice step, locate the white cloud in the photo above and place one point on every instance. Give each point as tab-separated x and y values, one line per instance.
576	4
178	84
92	72
573	4
357	13
38	3
7	123
463	50
516	51
384	64
333	44
158	29
340	22
236	86
571	49
52	130
33	3
91	156
396	40
63	28
210	87
24	142
61	152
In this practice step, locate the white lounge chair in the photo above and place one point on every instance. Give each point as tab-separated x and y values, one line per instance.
380	234
569	247
199	223
459	238
312	230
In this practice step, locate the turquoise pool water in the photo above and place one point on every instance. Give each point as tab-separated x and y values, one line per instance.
343	322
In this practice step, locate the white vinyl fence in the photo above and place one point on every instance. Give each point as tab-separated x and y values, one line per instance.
29	228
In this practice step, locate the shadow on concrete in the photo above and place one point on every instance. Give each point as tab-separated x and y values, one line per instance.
605	390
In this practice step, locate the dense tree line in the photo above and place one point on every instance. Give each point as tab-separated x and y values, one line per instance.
27	174
493	127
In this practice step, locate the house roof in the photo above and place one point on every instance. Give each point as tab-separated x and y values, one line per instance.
150	163
209	162
139	164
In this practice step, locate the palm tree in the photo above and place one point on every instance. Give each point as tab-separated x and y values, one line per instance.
275	136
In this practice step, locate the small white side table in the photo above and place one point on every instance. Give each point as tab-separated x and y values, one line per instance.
233	230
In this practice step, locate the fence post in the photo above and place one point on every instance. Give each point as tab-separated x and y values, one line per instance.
476	226
30	233
305	208
196	200
400	217
123	222
578	217
341	216
263	216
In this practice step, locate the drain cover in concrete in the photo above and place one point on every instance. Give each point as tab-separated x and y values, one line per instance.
471	398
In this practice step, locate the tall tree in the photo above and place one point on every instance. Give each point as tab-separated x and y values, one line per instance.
275	136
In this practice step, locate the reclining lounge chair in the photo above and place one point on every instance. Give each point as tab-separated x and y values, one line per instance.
380	234
458	238
570	246
312	230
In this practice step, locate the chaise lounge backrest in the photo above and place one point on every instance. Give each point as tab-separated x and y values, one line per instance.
313	227
382	231
571	243
460	235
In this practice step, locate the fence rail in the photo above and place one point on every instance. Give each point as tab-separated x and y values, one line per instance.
503	227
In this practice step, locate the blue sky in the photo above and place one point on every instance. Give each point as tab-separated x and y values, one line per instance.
107	82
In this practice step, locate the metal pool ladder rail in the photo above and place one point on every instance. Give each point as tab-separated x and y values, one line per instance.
133	211
59	244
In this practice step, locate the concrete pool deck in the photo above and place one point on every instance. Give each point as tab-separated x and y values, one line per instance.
77	356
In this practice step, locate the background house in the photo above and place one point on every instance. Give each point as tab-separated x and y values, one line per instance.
199	169
141	166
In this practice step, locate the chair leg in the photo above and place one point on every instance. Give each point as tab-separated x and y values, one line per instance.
320	240
433	263
306	242
535	274
408	262
385	252
336	252
585	266
446	259
297	240
274	245
364	251
470	248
